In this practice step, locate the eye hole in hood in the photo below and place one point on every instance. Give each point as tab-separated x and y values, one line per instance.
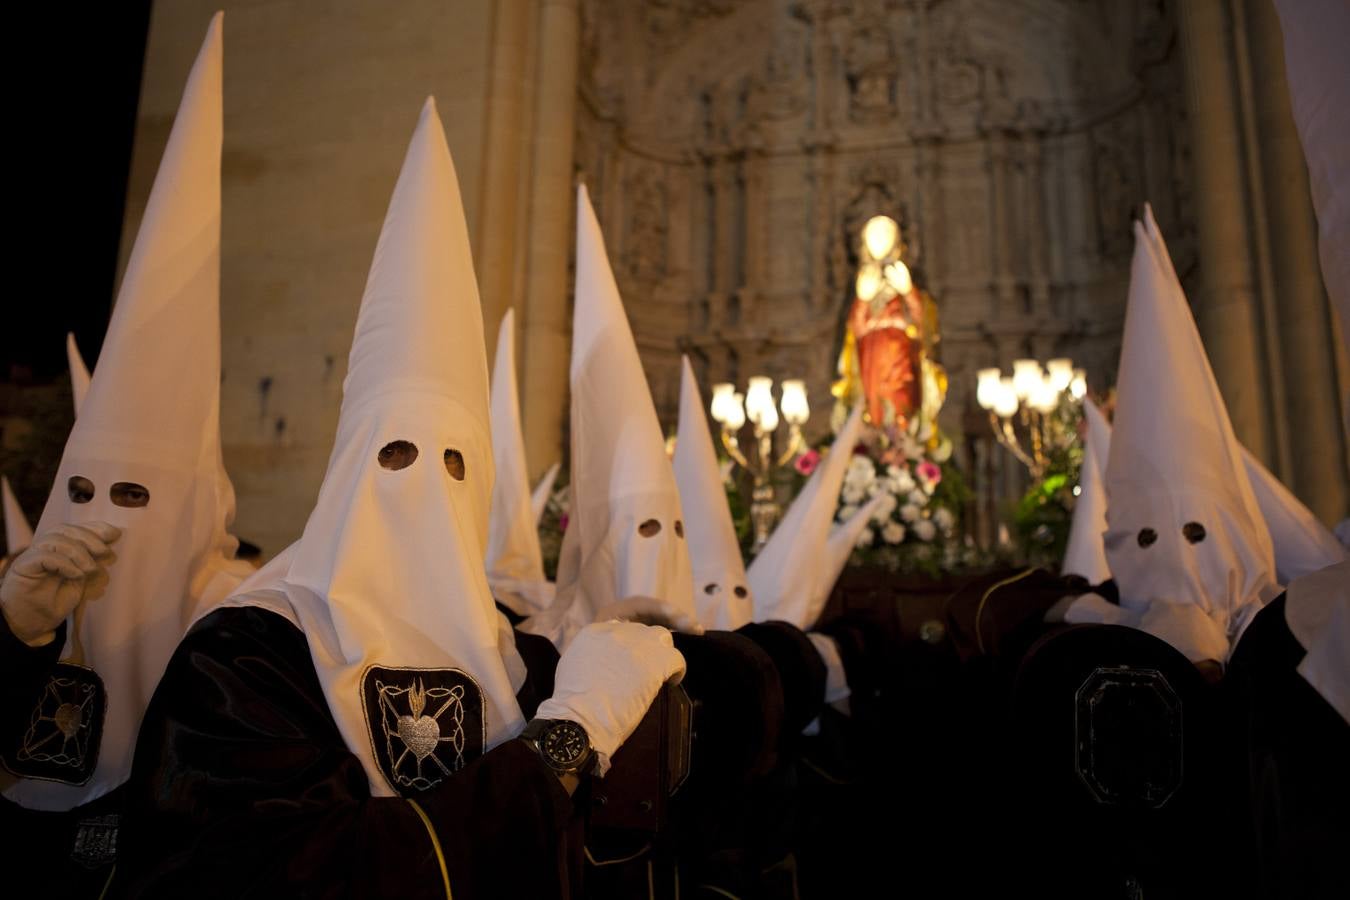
397	455
129	494
454	464
80	489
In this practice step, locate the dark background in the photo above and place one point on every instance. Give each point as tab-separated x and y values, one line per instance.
75	76
75	79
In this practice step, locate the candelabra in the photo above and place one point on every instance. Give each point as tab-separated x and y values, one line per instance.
1029	398
731	409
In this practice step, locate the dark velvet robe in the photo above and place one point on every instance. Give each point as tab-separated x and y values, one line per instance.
74	850
243	787
23	673
1297	746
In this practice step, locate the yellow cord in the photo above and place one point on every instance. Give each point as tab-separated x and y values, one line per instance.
436	845
107	884
979	610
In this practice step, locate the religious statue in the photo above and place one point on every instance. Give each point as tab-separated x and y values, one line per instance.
887	359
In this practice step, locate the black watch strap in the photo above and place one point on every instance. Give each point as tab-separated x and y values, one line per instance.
562	744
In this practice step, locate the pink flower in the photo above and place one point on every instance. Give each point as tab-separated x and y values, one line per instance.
807	462
929	472
562	522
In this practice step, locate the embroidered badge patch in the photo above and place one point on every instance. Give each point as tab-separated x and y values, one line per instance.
62	738
96	841
425	724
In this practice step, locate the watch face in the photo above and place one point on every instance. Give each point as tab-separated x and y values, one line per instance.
564	744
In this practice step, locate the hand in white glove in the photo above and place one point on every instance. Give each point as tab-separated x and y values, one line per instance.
649	611
46	581
836	680
607	680
1187	628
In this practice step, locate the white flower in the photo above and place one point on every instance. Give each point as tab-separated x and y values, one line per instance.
918	498
885	506
847	511
909	512
893	533
852	494
910	447
876	487
865	539
925	529
944	518
859	477
943	451
860	463
903	482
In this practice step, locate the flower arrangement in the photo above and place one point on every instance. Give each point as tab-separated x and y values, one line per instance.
914	524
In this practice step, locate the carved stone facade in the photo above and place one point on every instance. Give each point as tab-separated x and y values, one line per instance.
735	148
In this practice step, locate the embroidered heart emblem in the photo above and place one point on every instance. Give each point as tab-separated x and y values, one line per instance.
67	719
420	734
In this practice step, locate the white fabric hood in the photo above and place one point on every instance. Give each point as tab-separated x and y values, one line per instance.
1317	611
515	562
1303	545
789	579
79	372
1185	538
388	579
18	533
1086	552
625	535
721	588
144	455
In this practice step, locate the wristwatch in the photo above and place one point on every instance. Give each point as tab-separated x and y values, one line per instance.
562	744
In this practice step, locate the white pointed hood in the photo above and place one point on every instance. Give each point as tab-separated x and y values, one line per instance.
1303	545
625	536
1086	552
144	455
18	533
721	589
542	492
786	576
1318	69
79	372
388	579
838	548
1317	611
515	563
1185	539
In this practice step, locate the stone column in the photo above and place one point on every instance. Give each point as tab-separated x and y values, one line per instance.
547	325
1318	471
500	225
1226	304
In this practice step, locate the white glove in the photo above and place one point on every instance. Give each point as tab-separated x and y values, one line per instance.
1093	609
45	582
649	611
1188	628
836	680
607	679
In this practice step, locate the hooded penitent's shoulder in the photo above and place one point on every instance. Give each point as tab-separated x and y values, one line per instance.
234	629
